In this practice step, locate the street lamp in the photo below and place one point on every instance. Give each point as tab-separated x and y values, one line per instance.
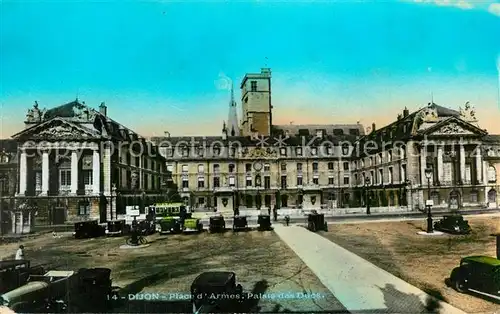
367	200
428	174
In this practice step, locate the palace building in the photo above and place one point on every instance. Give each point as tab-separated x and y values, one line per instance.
76	163
337	166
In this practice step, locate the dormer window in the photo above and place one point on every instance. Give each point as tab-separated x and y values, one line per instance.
217	151
283	151
329	150
319	133
338	132
345	149
298	151
314	151
185	151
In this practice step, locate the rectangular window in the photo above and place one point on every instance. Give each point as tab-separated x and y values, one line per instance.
87	177
314	151
315	166
267	182
283	167
390	176
84	208
403	173
330	181
231	181
253	86
201	168
185	184
267	167
315	181
201	200
346	165
249	181
381	176
299	167
216	168
283	182
468	173
65	178
299	181
248	167
185	168
231	168
170	168
216	182
330	166
283	151
329	150
201	182
346	180
298	151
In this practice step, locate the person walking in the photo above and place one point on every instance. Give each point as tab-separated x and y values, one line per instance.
20	253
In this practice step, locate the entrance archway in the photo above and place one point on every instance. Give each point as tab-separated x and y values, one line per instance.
492	196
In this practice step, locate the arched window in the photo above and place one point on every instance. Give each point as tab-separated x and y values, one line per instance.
435	197
492	174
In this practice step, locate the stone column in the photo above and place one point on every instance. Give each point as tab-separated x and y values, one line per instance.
96	172
74	172
462	163
479	169
423	165
440	164
23	172
45	172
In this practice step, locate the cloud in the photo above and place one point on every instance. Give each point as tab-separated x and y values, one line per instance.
461	4
494	8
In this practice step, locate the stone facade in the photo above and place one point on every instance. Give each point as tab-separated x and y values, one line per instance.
75	163
330	166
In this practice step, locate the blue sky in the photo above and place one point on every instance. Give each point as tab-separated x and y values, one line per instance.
161	65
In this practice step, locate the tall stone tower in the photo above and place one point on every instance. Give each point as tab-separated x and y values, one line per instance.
256	103
233	126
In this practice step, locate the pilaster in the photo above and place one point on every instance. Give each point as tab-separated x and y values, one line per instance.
479	168
462	164
96	172
423	164
440	164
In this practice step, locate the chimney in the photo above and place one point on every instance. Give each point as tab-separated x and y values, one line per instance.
373	127
400	116
406	112
103	109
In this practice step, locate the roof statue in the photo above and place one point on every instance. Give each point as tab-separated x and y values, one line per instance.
35	114
468	113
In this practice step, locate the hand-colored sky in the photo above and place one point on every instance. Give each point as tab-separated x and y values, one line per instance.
165	65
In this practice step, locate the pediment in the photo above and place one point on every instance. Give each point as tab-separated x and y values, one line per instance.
57	129
454	127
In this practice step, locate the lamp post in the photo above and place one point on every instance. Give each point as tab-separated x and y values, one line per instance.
428	174
367	196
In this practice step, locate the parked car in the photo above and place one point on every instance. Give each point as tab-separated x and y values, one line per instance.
316	222
479	274
88	229
57	291
264	222
215	292
169	225
15	273
240	223
192	225
454	224
217	224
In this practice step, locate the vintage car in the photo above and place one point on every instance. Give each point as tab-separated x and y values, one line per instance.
264	222
15	273
116	227
454	224
240	223
216	292
478	274
56	291
217	224
192	225
316	222
88	229
169	225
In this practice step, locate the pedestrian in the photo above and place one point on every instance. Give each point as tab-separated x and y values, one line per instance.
20	253
287	220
